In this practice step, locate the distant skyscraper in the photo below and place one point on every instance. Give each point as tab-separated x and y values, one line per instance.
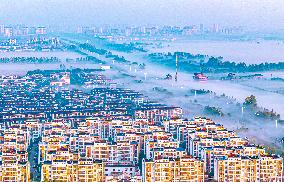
215	28
201	28
17	31
25	31
80	30
2	29
41	30
128	31
8	31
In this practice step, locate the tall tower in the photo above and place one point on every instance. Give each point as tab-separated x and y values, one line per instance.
176	76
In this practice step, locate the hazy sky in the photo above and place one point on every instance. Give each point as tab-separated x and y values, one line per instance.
256	14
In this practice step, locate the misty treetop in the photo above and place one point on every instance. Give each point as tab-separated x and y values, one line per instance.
204	63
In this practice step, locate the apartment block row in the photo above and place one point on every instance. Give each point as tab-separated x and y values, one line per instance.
115	134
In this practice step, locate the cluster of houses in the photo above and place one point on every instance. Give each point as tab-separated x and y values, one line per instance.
32	44
115	134
40	97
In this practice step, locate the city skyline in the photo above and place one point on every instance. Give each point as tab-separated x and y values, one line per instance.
255	15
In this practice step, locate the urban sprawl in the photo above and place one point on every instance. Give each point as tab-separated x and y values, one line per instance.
52	131
109	30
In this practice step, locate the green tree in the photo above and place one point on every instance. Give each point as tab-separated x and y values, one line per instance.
250	101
